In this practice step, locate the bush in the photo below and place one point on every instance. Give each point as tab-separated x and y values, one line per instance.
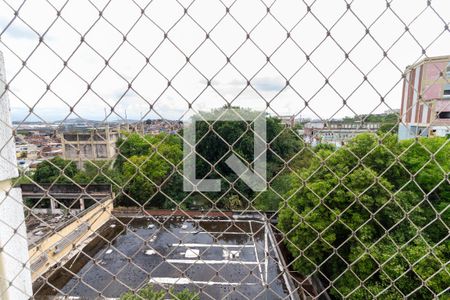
149	293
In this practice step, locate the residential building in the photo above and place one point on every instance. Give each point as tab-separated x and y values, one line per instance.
395	111
425	109
335	132
158	126
289	121
28	151
90	145
51	150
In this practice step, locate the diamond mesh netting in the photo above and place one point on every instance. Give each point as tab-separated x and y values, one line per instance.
246	149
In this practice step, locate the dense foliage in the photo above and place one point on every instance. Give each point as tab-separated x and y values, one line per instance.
55	170
149	293
148	169
360	218
148	165
213	149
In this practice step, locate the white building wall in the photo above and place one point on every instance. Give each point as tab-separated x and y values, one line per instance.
15	275
8	166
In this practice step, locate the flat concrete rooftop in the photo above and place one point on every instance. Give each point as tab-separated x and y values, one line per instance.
39	225
222	258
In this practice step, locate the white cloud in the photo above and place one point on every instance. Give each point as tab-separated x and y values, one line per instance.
127	59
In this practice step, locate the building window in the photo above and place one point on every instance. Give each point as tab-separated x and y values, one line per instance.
444	115
448	70
447	91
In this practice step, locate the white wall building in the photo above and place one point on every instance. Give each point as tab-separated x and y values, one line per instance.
336	133
15	275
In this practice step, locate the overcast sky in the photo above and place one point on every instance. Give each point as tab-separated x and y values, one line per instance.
186	37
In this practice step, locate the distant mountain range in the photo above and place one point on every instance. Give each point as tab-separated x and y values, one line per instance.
73	121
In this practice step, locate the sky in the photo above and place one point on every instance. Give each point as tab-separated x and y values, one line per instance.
168	59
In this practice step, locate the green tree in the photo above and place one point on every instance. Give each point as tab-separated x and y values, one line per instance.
151	171
275	195
96	172
217	140
149	293
55	170
145	176
131	145
388	128
360	218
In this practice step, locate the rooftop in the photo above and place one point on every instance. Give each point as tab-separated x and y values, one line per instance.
39	225
218	258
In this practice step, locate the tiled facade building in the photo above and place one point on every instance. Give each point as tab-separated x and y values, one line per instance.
425	109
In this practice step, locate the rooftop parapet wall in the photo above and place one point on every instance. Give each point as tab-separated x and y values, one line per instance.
58	245
95	191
